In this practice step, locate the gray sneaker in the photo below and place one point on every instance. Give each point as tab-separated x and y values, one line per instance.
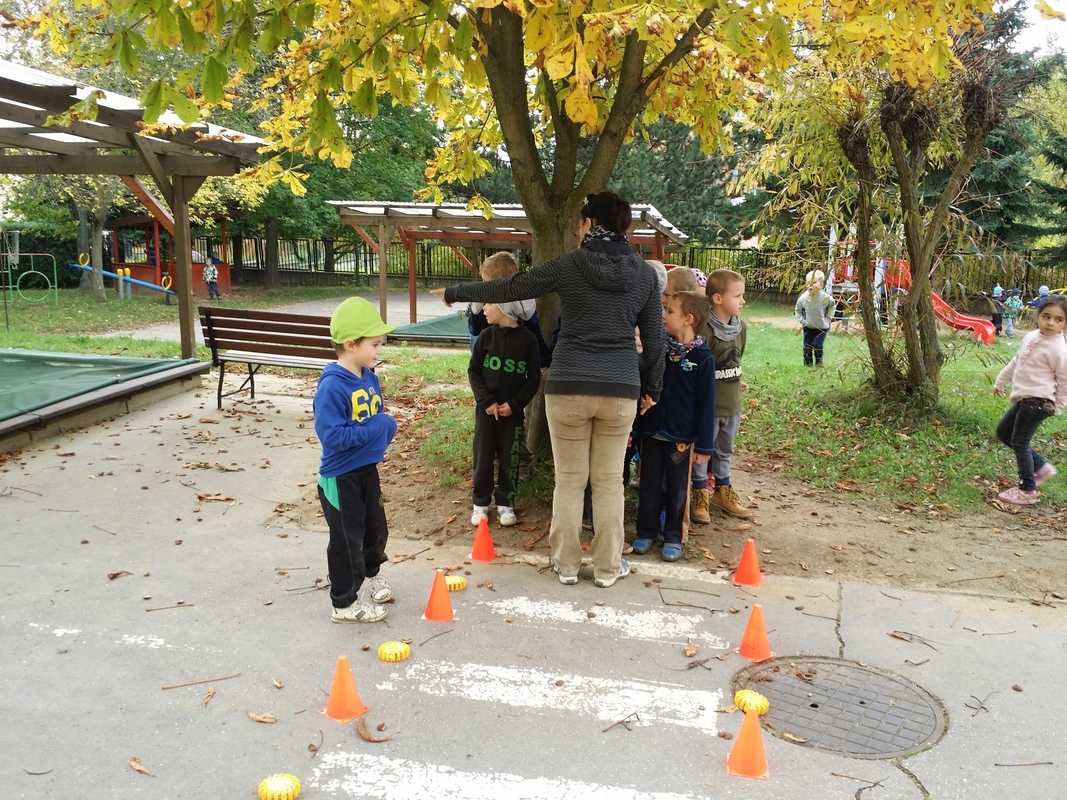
566	580
359	611
607	583
379	589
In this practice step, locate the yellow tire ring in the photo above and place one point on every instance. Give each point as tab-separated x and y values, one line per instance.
166	282
279	786
455	583
749	700
394	651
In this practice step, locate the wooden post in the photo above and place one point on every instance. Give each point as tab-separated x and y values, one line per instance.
385	238
657	248
183	267
413	305
159	253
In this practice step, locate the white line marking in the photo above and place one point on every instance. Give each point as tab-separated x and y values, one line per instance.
144	640
636	623
368	777
57	632
601	698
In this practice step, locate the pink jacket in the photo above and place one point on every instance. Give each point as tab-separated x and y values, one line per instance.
1039	369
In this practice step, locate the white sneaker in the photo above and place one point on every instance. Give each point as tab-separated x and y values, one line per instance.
379	589
507	516
607	583
359	611
478	514
566	580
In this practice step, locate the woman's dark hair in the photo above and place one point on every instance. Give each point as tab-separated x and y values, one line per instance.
608	210
1054	300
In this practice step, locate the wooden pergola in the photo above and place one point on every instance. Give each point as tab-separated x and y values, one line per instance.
454	224
177	158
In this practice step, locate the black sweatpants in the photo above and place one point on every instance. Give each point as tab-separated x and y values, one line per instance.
358	533
813	344
493	442
664	486
1016	430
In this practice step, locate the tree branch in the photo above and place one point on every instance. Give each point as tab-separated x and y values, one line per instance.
565	159
681	48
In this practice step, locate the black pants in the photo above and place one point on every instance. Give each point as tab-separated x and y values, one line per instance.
1018	428
813	342
493	441
664	486
998	322
358	533
213	290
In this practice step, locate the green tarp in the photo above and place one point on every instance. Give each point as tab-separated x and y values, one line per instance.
31	380
450	328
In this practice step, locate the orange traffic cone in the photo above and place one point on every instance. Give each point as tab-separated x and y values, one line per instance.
754	644
747	759
483	549
748	573
344	703
439	606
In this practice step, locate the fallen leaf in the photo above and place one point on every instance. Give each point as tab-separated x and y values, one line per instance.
207	696
366	735
451	519
218	498
120	574
1016	687
690	649
208	421
791	738
725	735
137	766
381	727
278	684
266	719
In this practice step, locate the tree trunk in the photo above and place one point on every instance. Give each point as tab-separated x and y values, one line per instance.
328	258
270	272
96	278
237	245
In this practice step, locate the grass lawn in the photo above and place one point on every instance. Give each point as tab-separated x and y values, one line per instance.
825	423
67	326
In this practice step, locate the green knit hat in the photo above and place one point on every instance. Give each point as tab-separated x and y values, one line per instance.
356	318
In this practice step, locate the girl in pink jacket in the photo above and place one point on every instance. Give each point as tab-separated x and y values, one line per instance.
1038	379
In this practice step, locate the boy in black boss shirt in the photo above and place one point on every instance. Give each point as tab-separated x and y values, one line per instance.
504	371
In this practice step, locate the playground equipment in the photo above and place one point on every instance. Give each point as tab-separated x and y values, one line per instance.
125	278
23	275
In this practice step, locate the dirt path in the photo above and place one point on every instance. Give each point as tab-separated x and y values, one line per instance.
799	530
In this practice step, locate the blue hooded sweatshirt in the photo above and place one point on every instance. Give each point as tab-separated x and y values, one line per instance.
350	420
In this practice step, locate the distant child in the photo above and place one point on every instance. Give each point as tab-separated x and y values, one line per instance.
725	335
504	371
680	279
1013	309
503	265
998	309
211	279
1038	377
1042	296
680	427
814	311
354	430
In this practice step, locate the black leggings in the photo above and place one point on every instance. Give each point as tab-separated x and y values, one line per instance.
813	342
1016	430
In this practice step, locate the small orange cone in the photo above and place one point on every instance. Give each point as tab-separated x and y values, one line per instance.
483	549
747	759
754	644
748	573
344	703
439	606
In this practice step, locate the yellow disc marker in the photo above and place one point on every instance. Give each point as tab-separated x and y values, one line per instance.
279	786
394	651
749	700
455	583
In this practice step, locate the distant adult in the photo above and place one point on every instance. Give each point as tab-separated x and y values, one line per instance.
597	377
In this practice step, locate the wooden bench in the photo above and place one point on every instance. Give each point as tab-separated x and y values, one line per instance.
264	338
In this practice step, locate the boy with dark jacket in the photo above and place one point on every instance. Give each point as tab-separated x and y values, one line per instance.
680	427
504	372
354	430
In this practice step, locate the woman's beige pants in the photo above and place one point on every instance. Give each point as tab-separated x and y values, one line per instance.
588	445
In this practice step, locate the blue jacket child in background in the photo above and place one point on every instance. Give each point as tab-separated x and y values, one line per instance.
680	427
354	431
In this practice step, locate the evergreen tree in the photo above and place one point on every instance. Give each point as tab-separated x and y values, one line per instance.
1055	152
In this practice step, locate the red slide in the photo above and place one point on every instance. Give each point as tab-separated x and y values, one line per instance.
982	329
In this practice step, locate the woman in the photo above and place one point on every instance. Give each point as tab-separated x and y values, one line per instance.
597	376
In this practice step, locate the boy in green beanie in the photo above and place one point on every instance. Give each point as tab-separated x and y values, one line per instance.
354	430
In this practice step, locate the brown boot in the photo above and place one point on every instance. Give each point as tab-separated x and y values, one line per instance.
699	512
726	499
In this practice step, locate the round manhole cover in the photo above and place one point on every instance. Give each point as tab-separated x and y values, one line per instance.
845	707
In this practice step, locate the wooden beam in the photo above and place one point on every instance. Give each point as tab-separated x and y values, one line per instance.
155	169
413	305
465	260
18	137
162	215
385	238
115	165
183	268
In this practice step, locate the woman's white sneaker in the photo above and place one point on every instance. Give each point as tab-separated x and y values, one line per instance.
359	611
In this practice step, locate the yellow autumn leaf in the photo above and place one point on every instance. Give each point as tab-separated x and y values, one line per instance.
1049	12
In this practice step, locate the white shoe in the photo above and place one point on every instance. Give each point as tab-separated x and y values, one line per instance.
507	516
478	514
379	589
566	580
359	611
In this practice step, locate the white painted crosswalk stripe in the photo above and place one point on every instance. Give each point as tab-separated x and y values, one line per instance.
649	625
601	698
365	777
